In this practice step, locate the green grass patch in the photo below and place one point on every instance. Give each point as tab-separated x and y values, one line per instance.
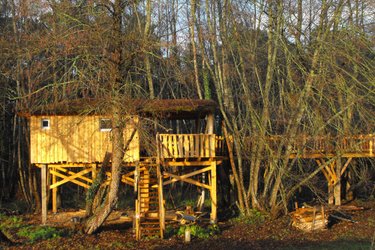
35	233
199	232
14	226
255	217
10	222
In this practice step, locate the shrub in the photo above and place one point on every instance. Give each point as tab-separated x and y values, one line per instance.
199	232
255	217
39	233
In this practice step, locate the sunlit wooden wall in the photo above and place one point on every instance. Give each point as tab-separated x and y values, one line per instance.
76	139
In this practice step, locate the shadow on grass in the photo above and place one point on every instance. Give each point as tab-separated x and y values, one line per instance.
227	244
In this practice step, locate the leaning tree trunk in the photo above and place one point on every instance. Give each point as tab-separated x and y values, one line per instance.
95	221
101	214
96	192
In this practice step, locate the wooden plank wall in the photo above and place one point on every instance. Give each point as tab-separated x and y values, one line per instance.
75	139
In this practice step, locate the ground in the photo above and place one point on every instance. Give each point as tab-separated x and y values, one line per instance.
234	234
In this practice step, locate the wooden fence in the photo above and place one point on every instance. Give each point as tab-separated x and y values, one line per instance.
189	145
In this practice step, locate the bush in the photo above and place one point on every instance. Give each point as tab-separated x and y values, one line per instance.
39	233
10	222
255	217
199	232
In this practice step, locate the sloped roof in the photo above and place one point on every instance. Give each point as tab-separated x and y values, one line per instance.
164	108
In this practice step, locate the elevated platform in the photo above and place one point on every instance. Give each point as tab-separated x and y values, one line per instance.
354	146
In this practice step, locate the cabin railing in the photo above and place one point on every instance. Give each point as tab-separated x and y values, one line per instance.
189	145
328	144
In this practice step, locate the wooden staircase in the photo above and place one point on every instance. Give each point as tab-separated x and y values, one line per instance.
150	222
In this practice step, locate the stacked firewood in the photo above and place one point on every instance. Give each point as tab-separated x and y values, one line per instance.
310	218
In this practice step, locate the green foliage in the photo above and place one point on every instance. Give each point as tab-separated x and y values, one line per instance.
255	217
119	244
34	233
169	231
199	232
10	225
10	222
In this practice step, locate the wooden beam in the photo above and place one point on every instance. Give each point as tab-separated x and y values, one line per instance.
213	191
346	165
161	202
44	193
67	165
54	195
70	178
128	180
84	178
186	163
186	175
325	171
185	179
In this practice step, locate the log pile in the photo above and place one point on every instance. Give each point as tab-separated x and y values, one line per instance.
310	218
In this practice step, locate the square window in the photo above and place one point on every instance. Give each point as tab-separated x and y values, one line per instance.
45	124
105	124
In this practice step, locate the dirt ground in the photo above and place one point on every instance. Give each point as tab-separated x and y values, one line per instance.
272	234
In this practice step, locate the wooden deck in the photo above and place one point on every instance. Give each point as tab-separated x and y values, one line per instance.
328	146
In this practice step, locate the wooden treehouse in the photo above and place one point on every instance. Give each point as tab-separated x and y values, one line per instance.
69	140
327	151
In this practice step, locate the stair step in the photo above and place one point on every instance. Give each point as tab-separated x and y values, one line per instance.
151	234
151	228
152	222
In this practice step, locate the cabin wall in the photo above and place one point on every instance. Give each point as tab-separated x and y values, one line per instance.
76	139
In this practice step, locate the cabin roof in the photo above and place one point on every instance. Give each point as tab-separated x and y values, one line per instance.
163	108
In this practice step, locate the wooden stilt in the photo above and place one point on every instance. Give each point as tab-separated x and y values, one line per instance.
54	195
93	174
213	193
44	193
137	219
161	202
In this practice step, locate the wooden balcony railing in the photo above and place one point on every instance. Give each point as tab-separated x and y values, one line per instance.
189	145
329	144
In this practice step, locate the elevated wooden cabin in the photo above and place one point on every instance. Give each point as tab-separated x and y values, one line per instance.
74	138
77	134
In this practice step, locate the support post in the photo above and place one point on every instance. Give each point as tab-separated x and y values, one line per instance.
213	193
94	172
44	193
161	201
54	194
137	220
210	123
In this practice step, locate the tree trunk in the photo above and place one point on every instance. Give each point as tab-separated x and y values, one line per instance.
95	221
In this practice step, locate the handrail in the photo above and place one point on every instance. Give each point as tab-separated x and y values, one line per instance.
326	144
187	145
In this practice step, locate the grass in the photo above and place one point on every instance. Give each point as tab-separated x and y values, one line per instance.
199	232
13	226
255	217
344	245
36	233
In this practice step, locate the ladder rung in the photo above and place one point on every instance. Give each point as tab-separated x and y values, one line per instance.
150	223
151	228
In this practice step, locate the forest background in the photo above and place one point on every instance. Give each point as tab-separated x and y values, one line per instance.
290	68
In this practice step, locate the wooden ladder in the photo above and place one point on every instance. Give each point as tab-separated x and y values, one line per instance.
150	224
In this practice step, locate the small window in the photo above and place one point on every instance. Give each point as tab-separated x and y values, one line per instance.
105	124
45	124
